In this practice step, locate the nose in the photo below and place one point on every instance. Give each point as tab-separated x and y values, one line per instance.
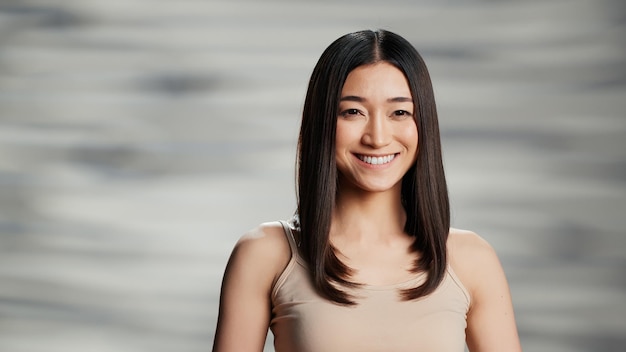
377	133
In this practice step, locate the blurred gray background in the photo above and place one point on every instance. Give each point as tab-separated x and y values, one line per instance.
140	138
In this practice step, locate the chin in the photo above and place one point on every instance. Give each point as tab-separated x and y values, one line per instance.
377	188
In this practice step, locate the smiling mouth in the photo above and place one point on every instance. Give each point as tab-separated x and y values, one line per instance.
376	160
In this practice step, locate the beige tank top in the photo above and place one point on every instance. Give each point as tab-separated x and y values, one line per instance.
302	321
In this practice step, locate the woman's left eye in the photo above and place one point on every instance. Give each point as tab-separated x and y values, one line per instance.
400	113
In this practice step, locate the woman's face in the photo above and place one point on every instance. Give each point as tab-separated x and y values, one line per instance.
376	140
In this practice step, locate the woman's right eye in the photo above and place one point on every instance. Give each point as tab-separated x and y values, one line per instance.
350	112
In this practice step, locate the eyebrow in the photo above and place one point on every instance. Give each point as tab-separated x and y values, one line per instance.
361	99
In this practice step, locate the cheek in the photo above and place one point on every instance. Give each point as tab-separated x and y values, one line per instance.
410	136
344	134
339	135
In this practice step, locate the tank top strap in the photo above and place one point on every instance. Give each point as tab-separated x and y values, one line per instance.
459	284
292	241
280	281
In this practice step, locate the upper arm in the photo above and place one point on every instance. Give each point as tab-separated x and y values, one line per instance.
490	321
244	313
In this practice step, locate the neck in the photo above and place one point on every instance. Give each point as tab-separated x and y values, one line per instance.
368	216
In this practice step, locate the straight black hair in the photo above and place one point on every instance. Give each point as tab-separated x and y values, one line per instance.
424	190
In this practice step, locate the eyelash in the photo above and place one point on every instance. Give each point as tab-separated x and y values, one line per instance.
355	112
350	112
402	113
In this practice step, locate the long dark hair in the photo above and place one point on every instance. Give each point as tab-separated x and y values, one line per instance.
424	190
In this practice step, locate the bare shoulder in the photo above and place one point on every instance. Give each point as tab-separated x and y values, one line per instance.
472	258
265	244
266	239
256	261
490	319
466	246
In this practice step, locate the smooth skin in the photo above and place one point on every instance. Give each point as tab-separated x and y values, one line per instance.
376	121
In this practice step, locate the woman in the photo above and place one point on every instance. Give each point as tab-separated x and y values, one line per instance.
369	262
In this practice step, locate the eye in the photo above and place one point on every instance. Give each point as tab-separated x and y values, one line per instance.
401	113
350	113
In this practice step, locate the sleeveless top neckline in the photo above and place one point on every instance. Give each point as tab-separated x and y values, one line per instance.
303	321
412	282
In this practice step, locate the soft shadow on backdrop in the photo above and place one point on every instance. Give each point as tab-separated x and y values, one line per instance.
139	139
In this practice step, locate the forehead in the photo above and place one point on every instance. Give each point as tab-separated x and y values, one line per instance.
379	79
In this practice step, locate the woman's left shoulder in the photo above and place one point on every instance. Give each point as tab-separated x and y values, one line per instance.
490	318
472	258
466	245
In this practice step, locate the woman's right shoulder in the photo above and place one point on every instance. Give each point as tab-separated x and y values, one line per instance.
265	239
253	268
264	249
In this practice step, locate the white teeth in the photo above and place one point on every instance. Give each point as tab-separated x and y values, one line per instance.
377	160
